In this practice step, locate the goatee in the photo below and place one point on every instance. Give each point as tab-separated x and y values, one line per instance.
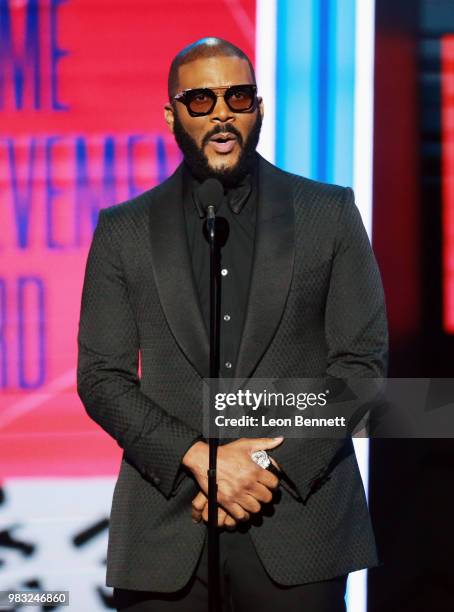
198	162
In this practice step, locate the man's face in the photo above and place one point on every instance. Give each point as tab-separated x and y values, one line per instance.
197	136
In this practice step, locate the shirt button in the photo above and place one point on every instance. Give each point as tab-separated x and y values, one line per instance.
224	271
226	317
228	364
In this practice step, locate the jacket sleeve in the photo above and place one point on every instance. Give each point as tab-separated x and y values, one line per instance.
356	337
107	371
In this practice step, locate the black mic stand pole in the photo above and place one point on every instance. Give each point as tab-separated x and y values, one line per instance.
213	442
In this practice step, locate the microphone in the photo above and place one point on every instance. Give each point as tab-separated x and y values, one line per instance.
210	194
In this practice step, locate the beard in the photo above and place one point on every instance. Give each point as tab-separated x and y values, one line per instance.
197	161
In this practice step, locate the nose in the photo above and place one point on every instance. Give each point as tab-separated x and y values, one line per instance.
221	113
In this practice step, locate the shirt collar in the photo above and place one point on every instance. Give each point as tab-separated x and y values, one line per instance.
236	197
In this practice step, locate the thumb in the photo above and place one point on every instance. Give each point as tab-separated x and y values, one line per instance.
266	443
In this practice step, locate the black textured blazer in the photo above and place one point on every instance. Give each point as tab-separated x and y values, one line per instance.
316	308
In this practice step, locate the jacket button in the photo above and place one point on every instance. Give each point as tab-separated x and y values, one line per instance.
156	480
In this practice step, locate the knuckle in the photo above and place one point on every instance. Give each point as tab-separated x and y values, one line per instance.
253	478
226	498
244	480
274	482
248	484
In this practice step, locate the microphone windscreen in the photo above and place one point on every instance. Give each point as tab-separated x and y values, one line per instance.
210	193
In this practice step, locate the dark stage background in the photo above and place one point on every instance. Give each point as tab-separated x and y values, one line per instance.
411	498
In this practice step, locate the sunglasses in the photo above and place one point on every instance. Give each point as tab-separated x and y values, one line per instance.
199	102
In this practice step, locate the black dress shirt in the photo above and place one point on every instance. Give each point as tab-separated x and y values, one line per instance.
236	220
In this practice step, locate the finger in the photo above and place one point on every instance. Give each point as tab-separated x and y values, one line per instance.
265	477
229	522
261	493
224	520
237	499
205	515
196	515
249	503
238	512
199	501
222	516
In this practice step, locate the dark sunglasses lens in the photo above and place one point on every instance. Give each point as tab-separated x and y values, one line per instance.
240	98
201	101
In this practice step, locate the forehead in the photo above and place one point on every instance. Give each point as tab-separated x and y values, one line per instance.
214	72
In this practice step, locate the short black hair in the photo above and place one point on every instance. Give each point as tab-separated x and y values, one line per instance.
205	47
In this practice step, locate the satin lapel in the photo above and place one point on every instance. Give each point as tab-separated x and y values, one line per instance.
272	266
173	272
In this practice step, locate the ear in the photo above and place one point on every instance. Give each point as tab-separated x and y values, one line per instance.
261	107
169	116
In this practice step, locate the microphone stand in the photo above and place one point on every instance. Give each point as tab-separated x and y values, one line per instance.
213	442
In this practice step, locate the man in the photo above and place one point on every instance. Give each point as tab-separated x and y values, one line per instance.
301	297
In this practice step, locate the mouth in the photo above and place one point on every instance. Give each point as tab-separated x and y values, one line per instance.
223	143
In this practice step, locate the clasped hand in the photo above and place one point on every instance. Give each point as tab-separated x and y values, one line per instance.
243	486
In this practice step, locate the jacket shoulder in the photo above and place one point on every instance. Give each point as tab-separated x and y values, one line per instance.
304	187
307	187
128	210
311	198
134	212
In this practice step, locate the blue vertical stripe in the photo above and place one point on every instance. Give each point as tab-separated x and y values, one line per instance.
315	69
323	92
294	80
315	89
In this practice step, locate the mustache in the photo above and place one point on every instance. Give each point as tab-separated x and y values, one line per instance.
223	129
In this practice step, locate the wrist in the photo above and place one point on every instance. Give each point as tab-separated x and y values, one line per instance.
195	458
